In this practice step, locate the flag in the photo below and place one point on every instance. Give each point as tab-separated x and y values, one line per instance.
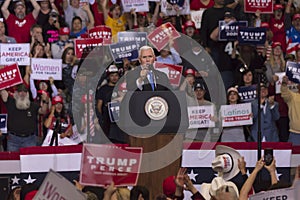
197	158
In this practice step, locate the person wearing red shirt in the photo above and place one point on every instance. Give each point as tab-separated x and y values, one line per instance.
201	4
19	24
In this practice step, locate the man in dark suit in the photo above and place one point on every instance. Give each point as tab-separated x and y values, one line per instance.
145	77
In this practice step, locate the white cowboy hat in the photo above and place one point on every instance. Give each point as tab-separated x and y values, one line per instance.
210	189
226	161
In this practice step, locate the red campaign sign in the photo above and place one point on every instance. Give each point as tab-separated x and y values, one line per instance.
102	164
264	6
173	72
160	37
86	45
10	76
100	32
237	118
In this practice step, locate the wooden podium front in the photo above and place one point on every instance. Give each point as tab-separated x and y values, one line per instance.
153	180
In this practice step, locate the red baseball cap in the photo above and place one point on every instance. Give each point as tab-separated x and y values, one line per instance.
278	7
57	99
189	23
265	25
189	72
64	31
275	44
169	186
296	16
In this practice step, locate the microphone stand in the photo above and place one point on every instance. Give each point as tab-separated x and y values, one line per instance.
56	131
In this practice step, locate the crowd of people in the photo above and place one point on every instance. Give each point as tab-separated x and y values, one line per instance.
51	26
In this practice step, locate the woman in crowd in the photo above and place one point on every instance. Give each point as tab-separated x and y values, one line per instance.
235	133
58	119
77	26
39	50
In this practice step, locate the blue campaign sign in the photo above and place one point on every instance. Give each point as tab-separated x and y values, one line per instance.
293	71
114	111
122	50
229	31
3	123
247	93
252	35
139	37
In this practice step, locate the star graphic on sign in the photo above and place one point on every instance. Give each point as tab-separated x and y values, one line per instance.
15	180
277	175
29	179
192	175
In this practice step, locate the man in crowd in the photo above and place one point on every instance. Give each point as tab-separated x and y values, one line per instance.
19	24
22	117
145	77
292	99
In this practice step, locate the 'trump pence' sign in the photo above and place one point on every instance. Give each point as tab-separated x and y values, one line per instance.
56	186
102	164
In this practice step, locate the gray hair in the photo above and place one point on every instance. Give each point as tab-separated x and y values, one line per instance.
144	48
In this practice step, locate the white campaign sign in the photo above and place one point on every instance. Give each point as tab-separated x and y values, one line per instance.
55	186
138	5
61	141
236	114
200	116
169	9
281	194
291	86
15	53
43	68
197	17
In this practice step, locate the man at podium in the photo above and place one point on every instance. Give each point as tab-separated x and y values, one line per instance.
145	77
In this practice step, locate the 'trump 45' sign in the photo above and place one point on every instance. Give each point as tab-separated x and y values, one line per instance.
102	164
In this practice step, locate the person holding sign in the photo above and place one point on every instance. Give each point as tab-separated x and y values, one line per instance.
145	77
22	118
269	115
19	24
235	133
292	99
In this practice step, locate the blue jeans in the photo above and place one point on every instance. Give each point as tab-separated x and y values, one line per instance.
294	138
14	143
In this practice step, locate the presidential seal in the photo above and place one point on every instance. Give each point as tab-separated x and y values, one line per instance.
156	108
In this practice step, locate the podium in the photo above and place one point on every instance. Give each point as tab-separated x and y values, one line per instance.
161	139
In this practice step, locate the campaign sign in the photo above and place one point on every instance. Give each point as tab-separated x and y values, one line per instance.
55	186
196	16
86	45
10	76
264	6
100	32
293	71
173	72
102	164
161	36
252	35
292	86
114	111
122	50
236	114
3	123
138	5
229	31
170	10
15	53
61	141
286	193
200	116
139	37
43	68
247	93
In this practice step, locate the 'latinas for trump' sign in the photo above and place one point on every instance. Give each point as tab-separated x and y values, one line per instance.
264	6
236	114
43	68
103	164
201	116
10	76
15	53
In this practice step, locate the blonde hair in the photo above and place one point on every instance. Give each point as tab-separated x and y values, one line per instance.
281	58
226	189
